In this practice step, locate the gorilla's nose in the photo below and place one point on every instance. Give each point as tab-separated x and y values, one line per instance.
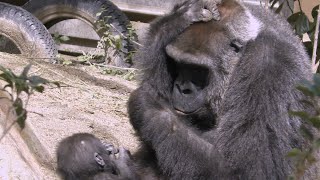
186	88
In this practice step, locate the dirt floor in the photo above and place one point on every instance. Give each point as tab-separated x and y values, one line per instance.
88	102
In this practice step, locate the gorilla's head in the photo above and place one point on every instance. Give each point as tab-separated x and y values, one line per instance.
82	156
204	57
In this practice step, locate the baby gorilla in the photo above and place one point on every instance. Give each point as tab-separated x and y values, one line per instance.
83	156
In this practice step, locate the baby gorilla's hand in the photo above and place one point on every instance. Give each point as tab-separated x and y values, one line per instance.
110	148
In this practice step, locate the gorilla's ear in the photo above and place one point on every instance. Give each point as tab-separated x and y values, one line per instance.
99	160
237	45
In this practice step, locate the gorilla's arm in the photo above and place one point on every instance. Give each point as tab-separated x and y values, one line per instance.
181	153
256	131
124	167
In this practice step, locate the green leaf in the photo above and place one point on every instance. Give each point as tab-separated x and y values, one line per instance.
300	22
56	83
22	119
64	38
316	84
21	86
301	114
306	133
306	91
293	18
21	112
25	72
302	25
309	47
36	80
129	76
315	121
7	79
307	102
82	58
108	71
310	158
314	12
67	62
8	76
317	143
291	178
316	79
56	35
98	14
118	42
39	89
294	152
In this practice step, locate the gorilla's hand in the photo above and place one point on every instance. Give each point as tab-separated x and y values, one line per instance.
110	148
122	156
194	11
124	164
212	6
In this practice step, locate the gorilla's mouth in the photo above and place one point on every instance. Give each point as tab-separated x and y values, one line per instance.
181	112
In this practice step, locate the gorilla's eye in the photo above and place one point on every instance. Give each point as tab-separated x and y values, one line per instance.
236	45
195	74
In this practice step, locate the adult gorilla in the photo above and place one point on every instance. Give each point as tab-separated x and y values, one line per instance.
214	98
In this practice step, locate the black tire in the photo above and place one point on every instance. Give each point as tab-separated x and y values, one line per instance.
27	33
50	12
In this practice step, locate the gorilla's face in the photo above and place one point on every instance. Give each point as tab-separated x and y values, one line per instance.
189	90
204	56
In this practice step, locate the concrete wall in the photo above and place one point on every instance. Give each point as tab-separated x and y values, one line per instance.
156	7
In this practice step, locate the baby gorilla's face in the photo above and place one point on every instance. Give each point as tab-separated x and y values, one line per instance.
83	155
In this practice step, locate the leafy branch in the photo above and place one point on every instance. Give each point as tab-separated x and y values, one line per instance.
60	38
303	27
111	42
306	158
125	73
15	86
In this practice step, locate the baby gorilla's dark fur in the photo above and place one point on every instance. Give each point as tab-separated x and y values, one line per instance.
82	156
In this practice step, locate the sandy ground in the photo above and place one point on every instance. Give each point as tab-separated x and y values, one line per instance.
88	102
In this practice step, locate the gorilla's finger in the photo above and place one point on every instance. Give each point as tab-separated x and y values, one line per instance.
124	153
206	15
110	148
212	6
99	159
216	15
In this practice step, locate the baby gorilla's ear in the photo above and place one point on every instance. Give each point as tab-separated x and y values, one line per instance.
99	160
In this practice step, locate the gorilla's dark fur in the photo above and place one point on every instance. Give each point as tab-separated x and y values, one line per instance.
214	98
